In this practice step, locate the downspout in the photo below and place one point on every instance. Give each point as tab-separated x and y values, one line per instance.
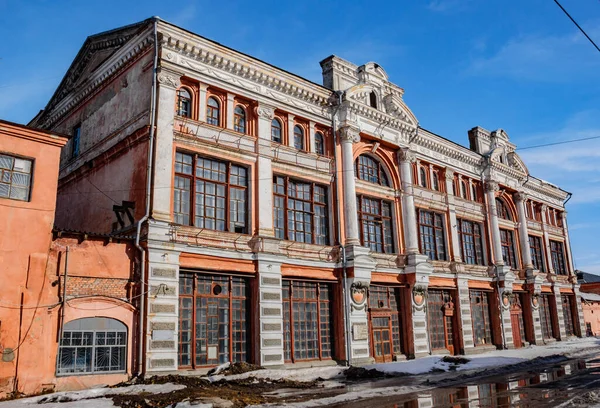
141	309
339	234
64	296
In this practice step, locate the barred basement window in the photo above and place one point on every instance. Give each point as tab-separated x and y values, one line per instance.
375	218
431	234
209	193
300	211
480	312
15	177
537	257
307	321
369	169
469	234
92	345
558	257
508	250
568	315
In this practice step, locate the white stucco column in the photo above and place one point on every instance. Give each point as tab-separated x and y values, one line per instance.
409	215
520	199
348	136
202	102
230	107
264	172
290	132
456	250
311	137
162	186
490	191
570	265
547	252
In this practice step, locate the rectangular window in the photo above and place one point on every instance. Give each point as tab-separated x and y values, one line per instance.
558	257
300	211
431	231
480	311
15	177
469	234
213	319
439	324
375	218
546	317
210	194
508	249
75	140
567	309
307	320
537	253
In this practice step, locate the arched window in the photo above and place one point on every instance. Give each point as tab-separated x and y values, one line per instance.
436	181
213	112
319	143
298	137
239	119
422	177
463	187
474	192
276	130
92	345
369	169
501	210
373	100
184	103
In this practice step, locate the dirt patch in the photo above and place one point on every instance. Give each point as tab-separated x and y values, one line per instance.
241	368
357	373
239	393
455	360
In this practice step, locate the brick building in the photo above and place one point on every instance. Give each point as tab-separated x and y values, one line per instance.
287	222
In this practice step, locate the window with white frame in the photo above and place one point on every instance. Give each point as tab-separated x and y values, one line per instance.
15	177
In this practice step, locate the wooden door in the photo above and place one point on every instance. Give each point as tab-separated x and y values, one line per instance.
381	339
516	329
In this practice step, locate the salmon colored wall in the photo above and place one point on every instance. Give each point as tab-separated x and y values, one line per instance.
591	314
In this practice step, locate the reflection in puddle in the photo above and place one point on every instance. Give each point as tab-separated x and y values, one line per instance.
510	393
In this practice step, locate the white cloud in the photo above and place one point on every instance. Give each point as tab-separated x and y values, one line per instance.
550	58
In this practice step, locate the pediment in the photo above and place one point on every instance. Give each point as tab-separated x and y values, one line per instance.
391	104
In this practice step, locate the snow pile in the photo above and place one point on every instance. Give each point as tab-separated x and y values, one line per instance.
300	374
74	399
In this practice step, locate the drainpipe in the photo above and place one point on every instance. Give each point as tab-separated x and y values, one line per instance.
64	296
147	213
340	95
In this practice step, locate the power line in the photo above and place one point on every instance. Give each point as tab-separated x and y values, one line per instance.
559	143
578	26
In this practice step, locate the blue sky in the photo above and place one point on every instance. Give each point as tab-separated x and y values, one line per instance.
520	66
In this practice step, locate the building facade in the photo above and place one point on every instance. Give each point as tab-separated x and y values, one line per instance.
292	223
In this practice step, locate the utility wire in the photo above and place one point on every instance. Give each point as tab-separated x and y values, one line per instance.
559	143
578	26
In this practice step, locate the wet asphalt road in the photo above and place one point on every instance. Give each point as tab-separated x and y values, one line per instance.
571	383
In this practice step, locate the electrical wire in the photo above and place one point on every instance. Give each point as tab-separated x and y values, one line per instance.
559	143
578	26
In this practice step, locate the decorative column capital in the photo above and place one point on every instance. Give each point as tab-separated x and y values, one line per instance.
407	155
544	208
563	214
169	79
349	133
449	173
492	186
520	196
265	111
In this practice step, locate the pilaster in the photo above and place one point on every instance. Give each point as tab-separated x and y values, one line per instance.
578	320
162	186
456	250
504	294
464	314
349	135
264	172
230	107
535	290
271	311
547	253
202	102
311	137
491	187
290	126
569	260
419	269
559	312
406	158
520	199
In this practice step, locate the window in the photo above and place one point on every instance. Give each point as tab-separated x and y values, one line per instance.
15	177
92	345
464	192
502	211
508	251
480	312
537	257
213	112
319	144
276	134
300	211
388	298
375	219
558	257
75	141
436	181
239	119
369	169
567	309
439	323
210	194
373	100
298	137
474	192
214	319
431	231
184	103
469	234
546	317
422	177
307	320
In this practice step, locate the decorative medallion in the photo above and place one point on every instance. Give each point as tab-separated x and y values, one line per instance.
358	291
419	292
535	300
506	295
